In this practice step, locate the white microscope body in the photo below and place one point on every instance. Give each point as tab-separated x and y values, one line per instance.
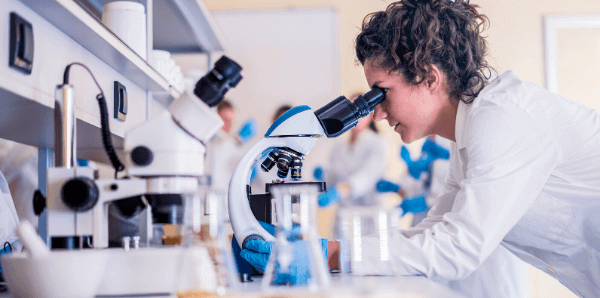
296	131
173	143
164	157
291	136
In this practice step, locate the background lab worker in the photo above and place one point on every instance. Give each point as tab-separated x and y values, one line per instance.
525	166
8	219
426	176
224	148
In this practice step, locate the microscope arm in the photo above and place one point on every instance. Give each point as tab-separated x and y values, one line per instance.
111	190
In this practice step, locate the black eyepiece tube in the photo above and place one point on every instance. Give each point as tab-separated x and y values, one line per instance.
341	115
366	103
212	87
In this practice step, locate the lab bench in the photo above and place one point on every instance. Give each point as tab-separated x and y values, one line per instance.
386	286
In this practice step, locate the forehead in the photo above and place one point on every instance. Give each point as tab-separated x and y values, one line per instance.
375	74
226	111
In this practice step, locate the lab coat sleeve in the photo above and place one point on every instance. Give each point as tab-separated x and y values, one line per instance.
509	160
362	182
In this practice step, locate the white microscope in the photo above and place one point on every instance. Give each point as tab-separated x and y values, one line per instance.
164	158
291	136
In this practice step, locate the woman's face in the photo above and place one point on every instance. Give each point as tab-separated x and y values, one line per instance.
412	111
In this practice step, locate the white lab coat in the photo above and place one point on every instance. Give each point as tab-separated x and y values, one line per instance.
525	173
361	165
8	216
19	164
223	152
501	275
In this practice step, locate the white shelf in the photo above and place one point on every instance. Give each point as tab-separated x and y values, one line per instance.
185	26
79	25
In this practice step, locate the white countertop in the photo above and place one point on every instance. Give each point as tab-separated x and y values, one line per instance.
364	286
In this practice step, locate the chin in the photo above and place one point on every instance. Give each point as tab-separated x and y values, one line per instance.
407	138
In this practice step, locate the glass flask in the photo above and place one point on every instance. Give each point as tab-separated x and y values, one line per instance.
206	266
297	258
367	236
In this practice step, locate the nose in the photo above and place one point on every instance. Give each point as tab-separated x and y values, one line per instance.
379	114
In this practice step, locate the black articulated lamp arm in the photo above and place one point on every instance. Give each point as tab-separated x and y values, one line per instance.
341	115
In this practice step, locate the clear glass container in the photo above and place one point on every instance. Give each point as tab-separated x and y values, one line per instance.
297	259
367	236
206	267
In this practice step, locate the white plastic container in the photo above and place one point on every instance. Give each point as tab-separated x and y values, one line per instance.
160	61
128	21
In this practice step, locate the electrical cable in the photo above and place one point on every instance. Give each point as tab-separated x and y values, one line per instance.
106	140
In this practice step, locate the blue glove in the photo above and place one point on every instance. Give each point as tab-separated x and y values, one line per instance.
242	264
405	155
387	186
415	168
434	150
319	173
257	253
247	131
329	197
414	204
6	250
82	162
419	166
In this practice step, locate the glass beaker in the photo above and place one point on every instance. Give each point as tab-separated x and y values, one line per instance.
206	267
297	256
366	236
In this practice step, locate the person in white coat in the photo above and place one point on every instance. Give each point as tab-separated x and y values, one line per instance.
19	164
525	165
8	219
223	151
355	166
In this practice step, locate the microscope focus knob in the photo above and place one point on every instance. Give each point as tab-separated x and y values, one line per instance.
80	194
141	156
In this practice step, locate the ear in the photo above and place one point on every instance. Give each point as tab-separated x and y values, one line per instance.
436	79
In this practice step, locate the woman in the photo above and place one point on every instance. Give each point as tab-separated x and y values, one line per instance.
525	165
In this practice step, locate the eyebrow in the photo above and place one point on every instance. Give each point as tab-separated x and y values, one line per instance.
376	84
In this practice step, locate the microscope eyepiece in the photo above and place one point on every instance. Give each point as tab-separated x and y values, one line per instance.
366	103
341	115
212	87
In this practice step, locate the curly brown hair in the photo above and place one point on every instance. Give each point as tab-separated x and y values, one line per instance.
411	35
